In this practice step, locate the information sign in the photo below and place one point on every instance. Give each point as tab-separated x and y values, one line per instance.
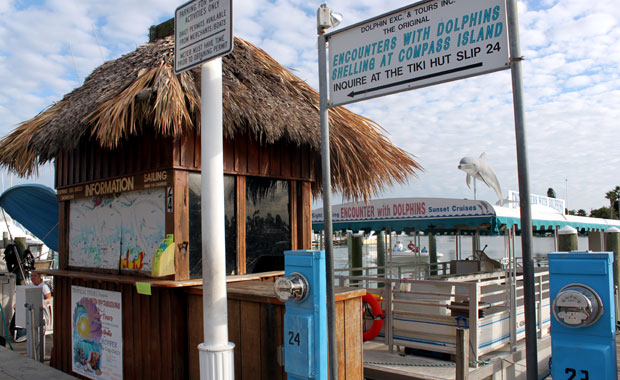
202	31
416	46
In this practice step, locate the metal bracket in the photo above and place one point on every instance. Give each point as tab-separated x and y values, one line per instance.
462	320
280	356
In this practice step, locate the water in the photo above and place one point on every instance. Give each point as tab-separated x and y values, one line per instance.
446	246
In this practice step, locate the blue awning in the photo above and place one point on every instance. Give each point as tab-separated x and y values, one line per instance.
35	207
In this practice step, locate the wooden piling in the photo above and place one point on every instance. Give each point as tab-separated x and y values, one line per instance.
20	243
567	239
349	248
381	256
432	253
462	353
356	255
612	243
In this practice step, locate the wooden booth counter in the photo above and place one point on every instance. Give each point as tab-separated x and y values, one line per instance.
161	331
154	327
255	326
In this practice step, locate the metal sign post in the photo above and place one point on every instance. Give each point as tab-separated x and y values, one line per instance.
203	33
420	45
326	19
529	292
327	207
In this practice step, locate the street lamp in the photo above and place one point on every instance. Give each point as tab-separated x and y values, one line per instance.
326	18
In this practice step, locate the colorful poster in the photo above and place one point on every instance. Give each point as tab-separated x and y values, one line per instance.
117	232
96	333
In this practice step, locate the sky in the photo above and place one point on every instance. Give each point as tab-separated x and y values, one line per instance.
571	81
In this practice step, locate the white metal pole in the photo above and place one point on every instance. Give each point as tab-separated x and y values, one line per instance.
216	352
474	188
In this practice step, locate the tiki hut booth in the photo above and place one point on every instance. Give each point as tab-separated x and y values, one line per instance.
126	150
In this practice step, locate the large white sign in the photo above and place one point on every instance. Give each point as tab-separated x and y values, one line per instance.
97	333
417	46
202	31
556	204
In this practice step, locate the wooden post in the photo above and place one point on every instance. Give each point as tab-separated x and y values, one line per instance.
356	255
612	243
350	248
567	239
20	243
473	318
462	353
432	253
381	257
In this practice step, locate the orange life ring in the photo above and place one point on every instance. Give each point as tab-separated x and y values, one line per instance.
377	316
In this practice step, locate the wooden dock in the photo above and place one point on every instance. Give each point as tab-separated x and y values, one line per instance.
380	364
15	365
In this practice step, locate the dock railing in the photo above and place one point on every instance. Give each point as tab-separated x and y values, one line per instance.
425	313
413	271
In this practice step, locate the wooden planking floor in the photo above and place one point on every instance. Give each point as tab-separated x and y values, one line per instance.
374	353
15	365
379	364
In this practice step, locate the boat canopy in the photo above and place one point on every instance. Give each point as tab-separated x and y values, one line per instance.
35	207
446	214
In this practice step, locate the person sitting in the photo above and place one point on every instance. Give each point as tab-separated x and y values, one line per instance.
424	250
38	281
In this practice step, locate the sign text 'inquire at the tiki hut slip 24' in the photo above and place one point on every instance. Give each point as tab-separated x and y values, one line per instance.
417	46
202	31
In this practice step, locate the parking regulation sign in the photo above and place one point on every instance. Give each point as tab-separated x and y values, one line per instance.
419	45
202	31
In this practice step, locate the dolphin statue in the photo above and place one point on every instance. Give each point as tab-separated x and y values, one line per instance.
479	168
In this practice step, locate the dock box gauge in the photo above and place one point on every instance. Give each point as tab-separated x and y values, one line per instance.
583	328
305	320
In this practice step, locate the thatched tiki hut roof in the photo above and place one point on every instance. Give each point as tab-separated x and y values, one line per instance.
261	98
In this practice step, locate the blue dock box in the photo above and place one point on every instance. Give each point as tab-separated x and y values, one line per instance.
583	323
305	319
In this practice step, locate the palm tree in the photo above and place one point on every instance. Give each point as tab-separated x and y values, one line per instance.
613	196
